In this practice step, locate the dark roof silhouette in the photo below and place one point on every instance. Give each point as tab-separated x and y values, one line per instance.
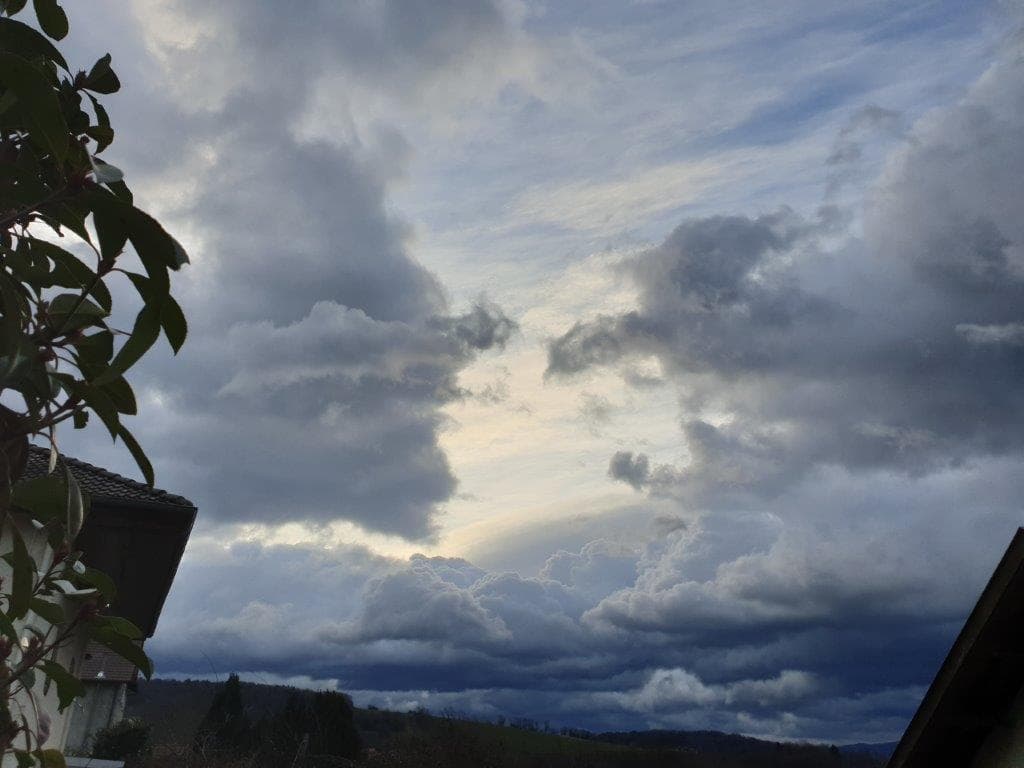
133	533
966	708
101	483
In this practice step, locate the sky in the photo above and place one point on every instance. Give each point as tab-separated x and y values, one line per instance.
613	364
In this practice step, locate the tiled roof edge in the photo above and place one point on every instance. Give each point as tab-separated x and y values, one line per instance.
156	495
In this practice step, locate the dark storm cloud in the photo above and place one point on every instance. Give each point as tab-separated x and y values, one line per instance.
320	350
482	328
861	392
850	413
867	353
726	622
631	469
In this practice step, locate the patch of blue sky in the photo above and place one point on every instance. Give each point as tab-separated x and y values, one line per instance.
948	20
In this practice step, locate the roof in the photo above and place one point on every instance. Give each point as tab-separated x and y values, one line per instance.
102	665
133	533
101	483
980	679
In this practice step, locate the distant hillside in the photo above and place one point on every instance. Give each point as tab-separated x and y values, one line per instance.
174	709
884	750
733	745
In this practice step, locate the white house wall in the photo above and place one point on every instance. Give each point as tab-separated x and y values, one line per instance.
35	705
103	705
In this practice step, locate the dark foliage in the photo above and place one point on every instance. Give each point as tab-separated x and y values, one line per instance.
226	726
399	739
324	720
122	741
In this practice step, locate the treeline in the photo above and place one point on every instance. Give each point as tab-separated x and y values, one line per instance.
310	730
246	725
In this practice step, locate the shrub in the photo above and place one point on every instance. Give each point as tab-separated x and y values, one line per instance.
124	740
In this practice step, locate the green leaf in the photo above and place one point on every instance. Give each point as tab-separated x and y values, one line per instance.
11	7
44	609
28	677
121	395
24	575
99	580
7	627
102	131
51	758
41	497
22	39
172	319
122	646
69	687
120	189
121	626
37	103
75	504
7	101
52	18
71	217
70	312
81	419
17	363
71	272
137	453
155	248
103	134
144	334
111	231
97	348
14	306
102	406
180	254
101	78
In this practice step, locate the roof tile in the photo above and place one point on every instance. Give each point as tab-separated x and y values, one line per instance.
101	665
102	483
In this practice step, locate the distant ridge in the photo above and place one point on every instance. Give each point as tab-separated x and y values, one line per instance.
175	707
884	749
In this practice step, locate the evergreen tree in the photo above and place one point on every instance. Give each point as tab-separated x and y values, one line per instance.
326	717
225	725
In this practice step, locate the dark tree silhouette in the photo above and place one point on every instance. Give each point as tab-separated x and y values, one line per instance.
225	725
326	717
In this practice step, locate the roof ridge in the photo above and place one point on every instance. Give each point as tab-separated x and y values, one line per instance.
158	494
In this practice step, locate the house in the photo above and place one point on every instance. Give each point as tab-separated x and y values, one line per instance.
136	535
973	713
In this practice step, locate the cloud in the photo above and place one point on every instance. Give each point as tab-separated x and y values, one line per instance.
631	469
848	415
595	410
417	604
598	569
321	352
1008	333
795	344
726	623
674	689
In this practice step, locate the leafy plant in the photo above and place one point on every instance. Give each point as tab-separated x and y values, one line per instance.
68	227
126	739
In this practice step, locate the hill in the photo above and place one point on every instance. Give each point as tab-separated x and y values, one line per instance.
396	739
